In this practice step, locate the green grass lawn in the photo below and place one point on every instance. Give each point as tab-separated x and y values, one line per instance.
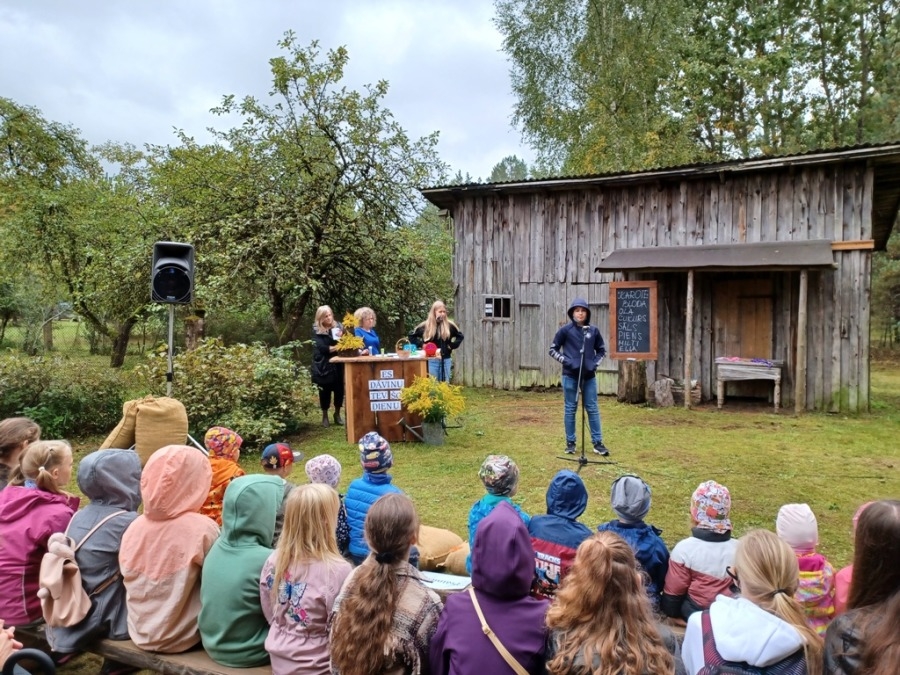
832	462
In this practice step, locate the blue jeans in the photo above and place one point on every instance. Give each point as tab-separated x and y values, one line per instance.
589	401
434	369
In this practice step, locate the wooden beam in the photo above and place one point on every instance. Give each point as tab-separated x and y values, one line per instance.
854	245
688	338
800	380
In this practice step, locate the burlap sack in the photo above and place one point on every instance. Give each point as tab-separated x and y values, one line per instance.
435	545
123	435
455	562
160	422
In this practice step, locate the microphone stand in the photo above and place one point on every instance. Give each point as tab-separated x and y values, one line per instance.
582	460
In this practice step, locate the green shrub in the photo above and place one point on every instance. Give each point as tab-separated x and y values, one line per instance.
259	394
62	395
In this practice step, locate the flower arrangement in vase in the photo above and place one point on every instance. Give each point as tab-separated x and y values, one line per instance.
431	399
349	344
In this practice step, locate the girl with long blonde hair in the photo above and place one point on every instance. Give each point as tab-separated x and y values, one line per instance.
32	507
300	581
601	620
439	330
385	617
763	627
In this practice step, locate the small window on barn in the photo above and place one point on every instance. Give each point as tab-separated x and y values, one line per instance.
498	307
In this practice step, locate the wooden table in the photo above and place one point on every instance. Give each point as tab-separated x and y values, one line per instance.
735	370
372	387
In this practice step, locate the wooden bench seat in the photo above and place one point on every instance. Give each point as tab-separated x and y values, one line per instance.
193	662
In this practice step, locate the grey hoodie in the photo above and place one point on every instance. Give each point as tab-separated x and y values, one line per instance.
111	479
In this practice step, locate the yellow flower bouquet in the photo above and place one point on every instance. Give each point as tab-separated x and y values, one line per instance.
431	399
349	344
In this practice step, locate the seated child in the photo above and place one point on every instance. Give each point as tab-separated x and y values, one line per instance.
797	526
232	624
224	447
32	507
15	435
327	470
278	459
300	582
502	576
163	551
384	617
376	458
698	566
843	578
500	476
111	479
630	498
557	535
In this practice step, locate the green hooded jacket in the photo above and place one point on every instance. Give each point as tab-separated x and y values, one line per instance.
232	625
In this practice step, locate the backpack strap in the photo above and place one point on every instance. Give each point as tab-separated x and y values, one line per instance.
93	529
711	655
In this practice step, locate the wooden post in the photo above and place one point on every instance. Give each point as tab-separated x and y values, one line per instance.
632	381
688	338
800	380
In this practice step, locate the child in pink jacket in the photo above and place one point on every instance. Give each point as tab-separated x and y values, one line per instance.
796	524
163	551
32	507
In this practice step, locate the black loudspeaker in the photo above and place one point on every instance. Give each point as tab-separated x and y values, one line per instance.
172	275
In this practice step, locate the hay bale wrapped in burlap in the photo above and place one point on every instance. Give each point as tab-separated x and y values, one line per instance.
434	545
149	424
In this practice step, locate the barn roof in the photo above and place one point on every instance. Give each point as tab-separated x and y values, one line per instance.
770	255
885	158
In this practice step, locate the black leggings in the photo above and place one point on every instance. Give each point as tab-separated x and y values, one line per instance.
325	396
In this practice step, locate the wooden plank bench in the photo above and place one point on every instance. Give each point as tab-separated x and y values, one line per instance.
193	662
739	370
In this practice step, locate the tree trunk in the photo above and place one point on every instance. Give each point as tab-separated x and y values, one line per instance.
194	329
632	382
47	330
120	343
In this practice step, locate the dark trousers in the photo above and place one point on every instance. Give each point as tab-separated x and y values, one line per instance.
325	395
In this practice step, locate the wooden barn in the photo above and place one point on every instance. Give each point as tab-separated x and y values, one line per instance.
767	259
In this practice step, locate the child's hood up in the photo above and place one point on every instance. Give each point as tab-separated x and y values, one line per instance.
503	558
579	302
176	480
111	478
249	508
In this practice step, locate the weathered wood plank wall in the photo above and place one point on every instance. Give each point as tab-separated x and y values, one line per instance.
541	248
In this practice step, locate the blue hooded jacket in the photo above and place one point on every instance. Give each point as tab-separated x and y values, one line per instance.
557	535
649	549
568	341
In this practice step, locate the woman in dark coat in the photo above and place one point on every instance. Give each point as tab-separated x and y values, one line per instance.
327	376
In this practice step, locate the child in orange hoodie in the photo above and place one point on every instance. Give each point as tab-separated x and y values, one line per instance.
224	446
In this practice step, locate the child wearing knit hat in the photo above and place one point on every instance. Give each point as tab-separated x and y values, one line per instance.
796	524
500	476
630	498
224	447
376	459
698	566
327	469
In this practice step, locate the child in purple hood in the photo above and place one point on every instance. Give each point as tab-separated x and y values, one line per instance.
502	571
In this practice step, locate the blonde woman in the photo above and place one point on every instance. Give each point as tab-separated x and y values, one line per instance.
385	617
32	507
765	626
439	330
301	580
327	376
601	620
365	317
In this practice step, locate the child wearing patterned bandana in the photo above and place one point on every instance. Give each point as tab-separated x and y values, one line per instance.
698	566
500	476
224	446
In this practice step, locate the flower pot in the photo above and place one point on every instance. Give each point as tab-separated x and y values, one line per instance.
433	433
348	353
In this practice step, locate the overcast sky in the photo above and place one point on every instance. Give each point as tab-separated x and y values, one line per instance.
131	70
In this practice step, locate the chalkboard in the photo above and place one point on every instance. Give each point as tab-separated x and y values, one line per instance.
632	319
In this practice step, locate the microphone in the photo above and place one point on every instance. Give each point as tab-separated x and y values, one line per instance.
585	329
